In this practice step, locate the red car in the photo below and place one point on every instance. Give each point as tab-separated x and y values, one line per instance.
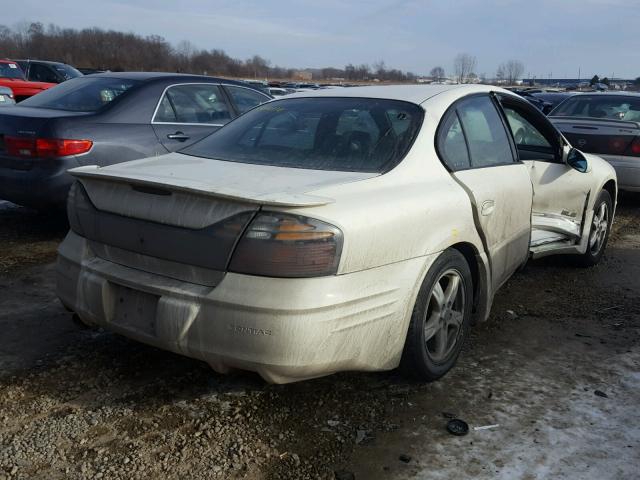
13	77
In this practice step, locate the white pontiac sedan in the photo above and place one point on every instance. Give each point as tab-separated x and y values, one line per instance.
346	229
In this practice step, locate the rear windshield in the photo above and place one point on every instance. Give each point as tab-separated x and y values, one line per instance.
345	134
11	70
67	71
83	94
614	107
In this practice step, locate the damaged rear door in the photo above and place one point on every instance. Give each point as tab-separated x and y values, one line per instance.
560	192
474	144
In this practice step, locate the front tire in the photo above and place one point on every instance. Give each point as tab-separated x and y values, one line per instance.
440	319
599	231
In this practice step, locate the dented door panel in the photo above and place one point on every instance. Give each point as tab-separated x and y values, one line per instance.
560	196
502	215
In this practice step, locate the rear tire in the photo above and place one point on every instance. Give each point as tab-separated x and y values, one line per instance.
598	231
440	319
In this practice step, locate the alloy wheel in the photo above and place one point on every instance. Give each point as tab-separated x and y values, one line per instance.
599	227
444	315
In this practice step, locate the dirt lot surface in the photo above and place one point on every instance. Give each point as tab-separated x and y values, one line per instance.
557	368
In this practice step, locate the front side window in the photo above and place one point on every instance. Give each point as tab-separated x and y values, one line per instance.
344	134
84	94
246	98
193	103
524	133
614	107
485	133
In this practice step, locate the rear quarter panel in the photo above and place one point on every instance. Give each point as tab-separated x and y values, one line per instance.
122	132
113	142
412	211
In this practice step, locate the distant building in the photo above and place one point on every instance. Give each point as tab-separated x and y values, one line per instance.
305	75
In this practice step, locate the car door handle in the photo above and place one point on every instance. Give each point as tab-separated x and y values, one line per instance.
488	206
178	136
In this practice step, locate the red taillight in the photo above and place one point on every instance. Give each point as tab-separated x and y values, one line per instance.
635	146
45	147
617	144
284	245
20	147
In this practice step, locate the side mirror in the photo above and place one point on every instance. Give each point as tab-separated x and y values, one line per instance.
576	160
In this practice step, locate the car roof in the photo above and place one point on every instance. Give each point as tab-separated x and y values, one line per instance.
167	76
417	94
30	60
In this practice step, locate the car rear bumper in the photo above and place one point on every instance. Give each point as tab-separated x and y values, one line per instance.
627	170
283	329
36	183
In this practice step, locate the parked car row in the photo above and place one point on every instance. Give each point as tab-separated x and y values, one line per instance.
603	123
13	78
606	124
107	118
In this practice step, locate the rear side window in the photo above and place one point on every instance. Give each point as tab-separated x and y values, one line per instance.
67	72
84	94
42	73
614	107
193	103
246	98
344	134
452	145
486	136
473	135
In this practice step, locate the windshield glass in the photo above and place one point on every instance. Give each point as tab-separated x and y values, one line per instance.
11	70
67	71
83	94
345	134
614	107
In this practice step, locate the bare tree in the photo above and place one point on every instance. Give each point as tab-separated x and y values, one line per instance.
501	73
380	70
437	73
510	71
463	66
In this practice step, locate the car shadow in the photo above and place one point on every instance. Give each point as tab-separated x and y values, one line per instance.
28	237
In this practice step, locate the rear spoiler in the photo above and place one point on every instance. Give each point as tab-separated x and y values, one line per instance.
611	121
278	199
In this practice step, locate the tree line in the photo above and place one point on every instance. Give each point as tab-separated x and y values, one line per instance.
464	67
122	51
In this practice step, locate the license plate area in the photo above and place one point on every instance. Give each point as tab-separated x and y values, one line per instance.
135	310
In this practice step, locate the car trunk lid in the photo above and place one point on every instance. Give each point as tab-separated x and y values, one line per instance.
599	136
27	122
236	182
184	210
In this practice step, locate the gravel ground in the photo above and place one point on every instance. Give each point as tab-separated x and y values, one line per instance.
79	403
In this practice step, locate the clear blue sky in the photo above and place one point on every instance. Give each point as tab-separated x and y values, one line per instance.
549	36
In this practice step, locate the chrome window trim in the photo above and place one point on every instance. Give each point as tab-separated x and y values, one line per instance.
268	98
191	124
155	111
